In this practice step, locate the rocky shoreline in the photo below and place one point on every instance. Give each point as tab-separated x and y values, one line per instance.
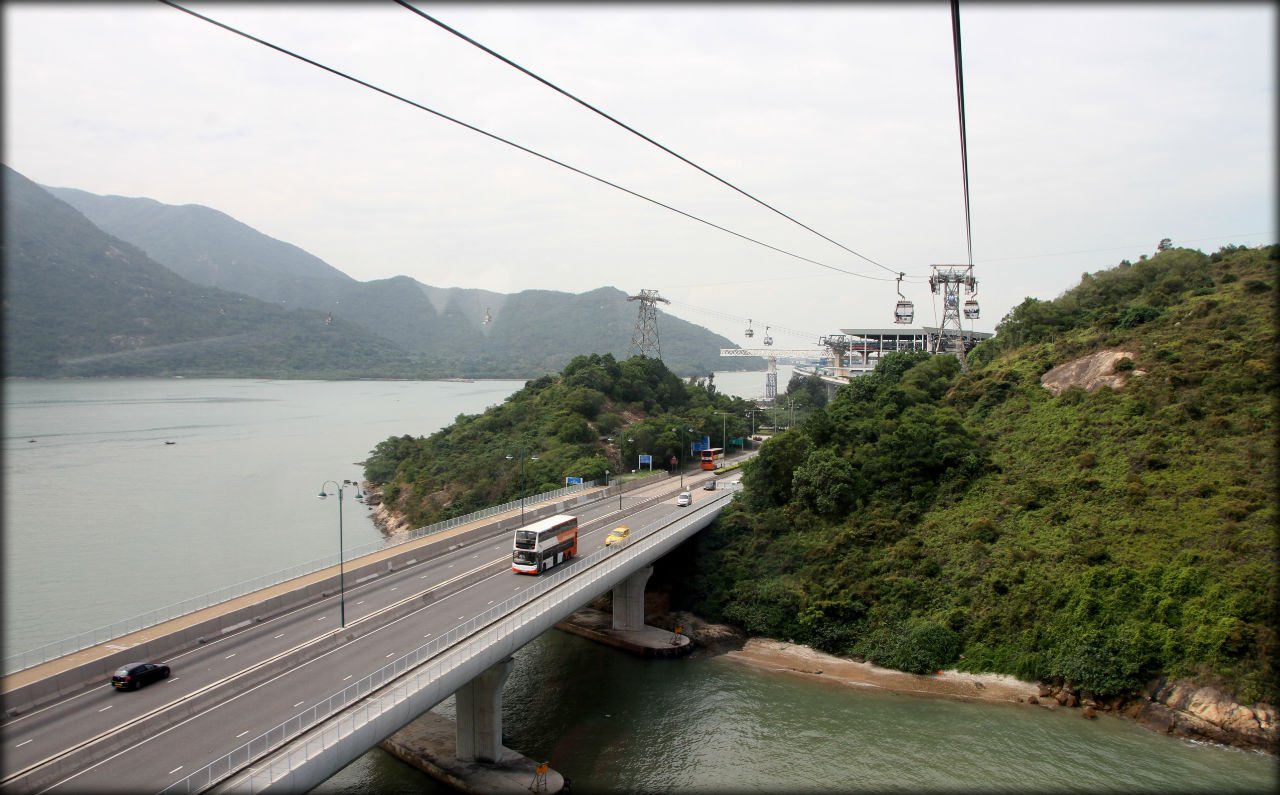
1179	708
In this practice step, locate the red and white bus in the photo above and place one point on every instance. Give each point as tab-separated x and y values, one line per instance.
543	544
712	458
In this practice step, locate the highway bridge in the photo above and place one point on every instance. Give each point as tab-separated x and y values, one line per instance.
268	692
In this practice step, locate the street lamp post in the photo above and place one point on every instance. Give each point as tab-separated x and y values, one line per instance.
342	602
724	437
682	430
512	458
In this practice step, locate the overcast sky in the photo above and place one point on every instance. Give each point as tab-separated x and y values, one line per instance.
1094	131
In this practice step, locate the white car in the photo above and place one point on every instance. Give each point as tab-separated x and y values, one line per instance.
684	499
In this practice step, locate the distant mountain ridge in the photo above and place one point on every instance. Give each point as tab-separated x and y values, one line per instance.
453	331
79	302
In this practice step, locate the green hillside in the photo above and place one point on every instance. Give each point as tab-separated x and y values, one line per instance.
596	415
927	518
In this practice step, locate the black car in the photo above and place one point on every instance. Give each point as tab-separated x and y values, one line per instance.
132	676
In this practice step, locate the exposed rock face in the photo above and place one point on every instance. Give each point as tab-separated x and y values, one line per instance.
1183	709
1206	713
388	522
1089	372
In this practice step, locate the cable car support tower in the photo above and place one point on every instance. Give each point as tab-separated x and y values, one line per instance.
948	279
644	340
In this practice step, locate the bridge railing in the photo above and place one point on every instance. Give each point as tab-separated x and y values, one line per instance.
480	633
94	637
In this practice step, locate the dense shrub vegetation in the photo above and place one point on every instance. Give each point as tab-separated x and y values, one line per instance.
926	518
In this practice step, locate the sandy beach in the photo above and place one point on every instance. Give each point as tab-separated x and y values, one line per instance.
777	655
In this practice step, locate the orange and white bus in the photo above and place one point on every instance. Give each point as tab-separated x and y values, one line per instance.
545	543
712	457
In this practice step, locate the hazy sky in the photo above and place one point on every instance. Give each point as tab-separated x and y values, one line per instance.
1094	131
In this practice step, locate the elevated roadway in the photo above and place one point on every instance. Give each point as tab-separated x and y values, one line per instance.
421	622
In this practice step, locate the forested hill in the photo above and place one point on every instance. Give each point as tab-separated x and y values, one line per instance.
449	331
926	519
79	302
595	415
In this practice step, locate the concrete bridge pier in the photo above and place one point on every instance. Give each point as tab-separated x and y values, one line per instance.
467	753
479	704
628	600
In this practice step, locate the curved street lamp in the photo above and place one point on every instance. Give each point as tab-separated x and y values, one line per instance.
342	605
510	457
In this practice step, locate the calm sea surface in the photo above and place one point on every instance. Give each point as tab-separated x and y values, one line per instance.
98	509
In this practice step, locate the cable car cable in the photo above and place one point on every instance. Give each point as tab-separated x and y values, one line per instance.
633	131
499	138
964	155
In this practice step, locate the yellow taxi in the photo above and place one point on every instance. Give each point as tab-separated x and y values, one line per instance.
618	535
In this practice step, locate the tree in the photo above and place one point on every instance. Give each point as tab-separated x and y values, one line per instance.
1165	244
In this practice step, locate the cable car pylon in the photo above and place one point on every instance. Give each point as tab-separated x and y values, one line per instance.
644	340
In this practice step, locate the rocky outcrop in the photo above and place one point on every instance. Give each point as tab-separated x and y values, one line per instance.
1181	708
1186	709
389	523
1089	372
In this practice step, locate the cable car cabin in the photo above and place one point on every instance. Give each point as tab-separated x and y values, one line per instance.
767	339
543	544
904	312
971	309
749	333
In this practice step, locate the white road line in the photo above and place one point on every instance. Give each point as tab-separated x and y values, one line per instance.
427	635
360	602
229	656
277	637
490	601
345	678
300	703
392	654
321	618
175	770
395	587
107	707
24	742
241	734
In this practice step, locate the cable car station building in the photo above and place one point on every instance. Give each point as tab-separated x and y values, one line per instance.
855	352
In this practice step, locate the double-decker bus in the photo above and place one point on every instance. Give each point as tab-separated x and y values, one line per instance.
543	544
712	457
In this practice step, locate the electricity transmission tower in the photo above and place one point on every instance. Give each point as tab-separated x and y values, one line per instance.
644	340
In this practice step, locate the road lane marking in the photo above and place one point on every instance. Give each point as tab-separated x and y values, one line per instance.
360	602
300	703
321	618
107	707
24	742
348	676
241	734
229	656
277	637
392	654
176	769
